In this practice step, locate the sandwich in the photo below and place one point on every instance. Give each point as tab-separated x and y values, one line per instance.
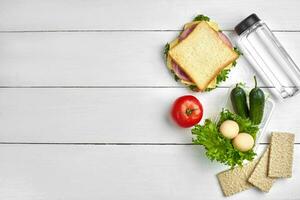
201	56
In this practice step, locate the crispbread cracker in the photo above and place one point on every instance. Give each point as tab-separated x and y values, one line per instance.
259	177
281	155
236	180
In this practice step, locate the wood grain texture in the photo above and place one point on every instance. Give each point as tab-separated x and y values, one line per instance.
34	172
105	115
140	15
100	59
109	54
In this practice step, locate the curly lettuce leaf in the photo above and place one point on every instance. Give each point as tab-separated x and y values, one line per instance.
245	125
201	18
237	51
166	49
223	75
194	88
220	148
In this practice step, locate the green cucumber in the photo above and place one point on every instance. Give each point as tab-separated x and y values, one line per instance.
257	104
239	101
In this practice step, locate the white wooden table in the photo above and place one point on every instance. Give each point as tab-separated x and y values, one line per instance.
85	96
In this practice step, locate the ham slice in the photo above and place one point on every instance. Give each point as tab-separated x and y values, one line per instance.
176	68
186	32
181	74
225	39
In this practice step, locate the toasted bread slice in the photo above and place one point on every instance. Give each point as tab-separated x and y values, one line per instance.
202	55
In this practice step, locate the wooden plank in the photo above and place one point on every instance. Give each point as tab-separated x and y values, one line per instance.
156	14
101	59
32	172
107	115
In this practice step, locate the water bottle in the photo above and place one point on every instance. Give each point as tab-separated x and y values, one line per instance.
265	53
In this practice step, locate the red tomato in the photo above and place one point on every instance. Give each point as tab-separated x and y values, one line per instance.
187	111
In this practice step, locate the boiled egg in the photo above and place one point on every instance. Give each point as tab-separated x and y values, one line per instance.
243	142
229	129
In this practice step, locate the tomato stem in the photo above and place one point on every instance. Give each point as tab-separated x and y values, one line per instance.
190	111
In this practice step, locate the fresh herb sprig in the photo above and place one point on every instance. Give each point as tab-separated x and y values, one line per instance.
166	49
237	51
193	88
201	18
223	75
209	89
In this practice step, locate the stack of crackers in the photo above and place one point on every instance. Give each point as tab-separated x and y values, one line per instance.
276	162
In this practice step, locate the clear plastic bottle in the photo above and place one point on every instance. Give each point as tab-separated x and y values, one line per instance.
270	60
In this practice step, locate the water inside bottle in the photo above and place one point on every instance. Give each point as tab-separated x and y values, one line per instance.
272	61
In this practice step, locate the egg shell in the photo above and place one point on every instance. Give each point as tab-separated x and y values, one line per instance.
229	129
243	142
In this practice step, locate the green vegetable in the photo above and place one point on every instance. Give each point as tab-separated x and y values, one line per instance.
257	104
234	63
209	89
166	49
193	88
176	78
239	101
223	75
218	147
201	18
237	51
245	125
